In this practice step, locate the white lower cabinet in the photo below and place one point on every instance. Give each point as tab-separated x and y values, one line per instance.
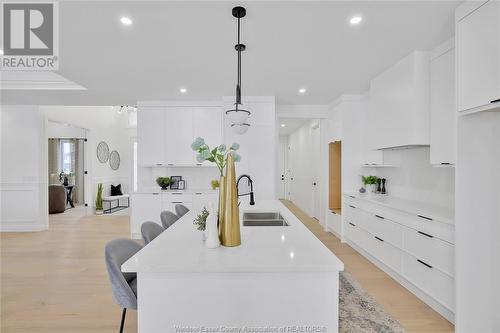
334	222
414	252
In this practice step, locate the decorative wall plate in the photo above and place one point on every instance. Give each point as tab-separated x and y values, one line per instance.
102	152
114	160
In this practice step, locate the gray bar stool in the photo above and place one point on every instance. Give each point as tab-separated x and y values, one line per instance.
150	230
181	210
124	285
168	218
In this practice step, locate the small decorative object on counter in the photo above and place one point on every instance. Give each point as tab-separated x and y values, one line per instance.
362	190
211	229
383	191
215	184
98	200
181	185
379	186
163	182
201	222
369	182
174	182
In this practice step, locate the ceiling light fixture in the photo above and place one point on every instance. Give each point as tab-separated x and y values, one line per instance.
1	51
238	116
356	20
126	20
302	90
283	125
183	90
127	108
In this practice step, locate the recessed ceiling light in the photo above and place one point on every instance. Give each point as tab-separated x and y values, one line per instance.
302	90
283	125
183	90
356	19
1	51
126	20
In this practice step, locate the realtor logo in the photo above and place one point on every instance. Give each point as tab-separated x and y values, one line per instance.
30	36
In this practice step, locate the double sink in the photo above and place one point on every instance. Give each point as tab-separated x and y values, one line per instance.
264	219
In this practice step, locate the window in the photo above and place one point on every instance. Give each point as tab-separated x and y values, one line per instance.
67	156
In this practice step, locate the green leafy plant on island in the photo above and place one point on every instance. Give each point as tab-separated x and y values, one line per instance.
369	180
215	184
201	220
163	182
218	155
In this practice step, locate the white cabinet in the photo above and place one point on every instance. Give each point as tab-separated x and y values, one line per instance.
201	200
334	223
414	255
478	57
443	124
150	136
179	136
169	200
399	104
144	207
207	124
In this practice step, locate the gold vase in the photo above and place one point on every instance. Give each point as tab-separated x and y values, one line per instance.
230	228
222	200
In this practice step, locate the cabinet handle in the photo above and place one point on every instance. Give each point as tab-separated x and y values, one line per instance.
174	193
199	164
159	164
198	193
170	164
425	217
427	235
156	193
352	206
352	224
495	101
424	263
352	196
177	202
380	217
378	238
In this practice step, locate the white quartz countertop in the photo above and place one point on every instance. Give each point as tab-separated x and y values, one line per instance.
187	191
293	248
442	214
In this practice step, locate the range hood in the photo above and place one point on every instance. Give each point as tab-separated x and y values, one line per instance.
416	146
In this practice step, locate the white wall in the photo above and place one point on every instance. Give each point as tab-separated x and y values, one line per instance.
23	173
103	123
415	178
64	131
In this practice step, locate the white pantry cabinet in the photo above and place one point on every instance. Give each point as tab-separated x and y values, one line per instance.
478	56
443	124
399	104
144	207
150	136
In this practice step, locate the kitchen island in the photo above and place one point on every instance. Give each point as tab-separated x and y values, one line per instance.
280	276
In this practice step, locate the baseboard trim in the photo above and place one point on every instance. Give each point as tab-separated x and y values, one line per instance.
435	305
21	226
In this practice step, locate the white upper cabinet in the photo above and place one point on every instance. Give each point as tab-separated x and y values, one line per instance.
478	56
150	136
443	116
165	132
399	104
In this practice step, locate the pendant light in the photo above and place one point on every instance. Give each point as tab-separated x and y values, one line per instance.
238	116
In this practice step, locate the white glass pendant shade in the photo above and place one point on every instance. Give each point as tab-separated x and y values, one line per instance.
240	128
238	116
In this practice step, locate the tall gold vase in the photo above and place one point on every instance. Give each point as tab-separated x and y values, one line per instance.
230	227
222	200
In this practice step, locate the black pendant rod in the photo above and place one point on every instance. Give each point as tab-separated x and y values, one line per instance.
239	12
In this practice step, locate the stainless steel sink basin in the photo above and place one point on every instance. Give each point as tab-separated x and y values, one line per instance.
264	219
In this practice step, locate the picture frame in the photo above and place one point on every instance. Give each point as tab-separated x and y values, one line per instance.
182	185
174	182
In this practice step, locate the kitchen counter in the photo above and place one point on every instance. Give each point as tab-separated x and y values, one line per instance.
280	276
442	214
263	249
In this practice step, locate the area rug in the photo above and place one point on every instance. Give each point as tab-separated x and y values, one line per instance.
360	313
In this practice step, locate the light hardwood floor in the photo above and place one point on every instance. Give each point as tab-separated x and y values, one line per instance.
56	280
413	314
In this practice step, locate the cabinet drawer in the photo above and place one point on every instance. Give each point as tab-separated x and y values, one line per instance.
386	229
334	222
387	253
435	283
177	197
360	237
430	249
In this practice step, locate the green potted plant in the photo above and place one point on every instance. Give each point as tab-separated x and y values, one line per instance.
215	184
369	183
163	182
98	200
201	221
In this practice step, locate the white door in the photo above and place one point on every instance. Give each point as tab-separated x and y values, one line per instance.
282	165
315	170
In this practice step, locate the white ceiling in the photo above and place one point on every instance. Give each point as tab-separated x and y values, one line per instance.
291	125
188	44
